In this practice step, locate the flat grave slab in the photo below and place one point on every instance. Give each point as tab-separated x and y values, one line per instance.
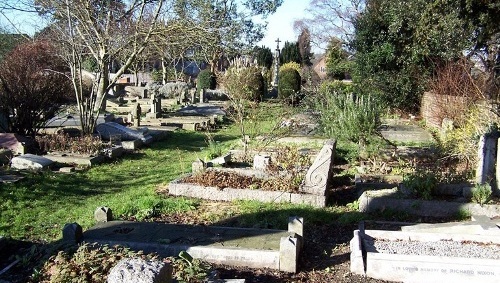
405	133
256	248
425	257
75	159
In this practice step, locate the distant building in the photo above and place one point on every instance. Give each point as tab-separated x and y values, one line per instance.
319	66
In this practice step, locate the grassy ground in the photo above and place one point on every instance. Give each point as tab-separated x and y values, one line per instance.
37	207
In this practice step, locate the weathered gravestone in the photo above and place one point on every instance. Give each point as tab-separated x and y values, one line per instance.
261	162
486	158
198	166
111	129
155	104
136	115
137	270
30	162
103	214
72	232
319	175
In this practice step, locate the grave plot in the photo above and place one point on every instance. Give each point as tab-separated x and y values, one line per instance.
428	255
311	191
255	248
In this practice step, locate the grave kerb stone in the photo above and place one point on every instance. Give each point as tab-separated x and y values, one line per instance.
289	253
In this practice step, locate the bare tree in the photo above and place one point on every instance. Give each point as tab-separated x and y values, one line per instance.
330	18
101	29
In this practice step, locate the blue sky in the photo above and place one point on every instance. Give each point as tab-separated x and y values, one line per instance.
281	23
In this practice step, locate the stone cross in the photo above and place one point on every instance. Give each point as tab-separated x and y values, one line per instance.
276	63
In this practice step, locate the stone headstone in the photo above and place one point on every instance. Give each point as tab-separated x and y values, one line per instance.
30	162
198	166
261	162
103	214
202	95
486	158
72	232
137	270
136	115
319	175
111	129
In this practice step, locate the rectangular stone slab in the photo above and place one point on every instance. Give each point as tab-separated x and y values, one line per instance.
256	248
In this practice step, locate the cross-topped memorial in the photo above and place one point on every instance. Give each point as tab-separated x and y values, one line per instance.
276	63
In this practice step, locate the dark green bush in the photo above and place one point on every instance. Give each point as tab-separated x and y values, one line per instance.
206	80
289	85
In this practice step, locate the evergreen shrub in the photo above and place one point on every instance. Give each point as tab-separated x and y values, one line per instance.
206	80
289	85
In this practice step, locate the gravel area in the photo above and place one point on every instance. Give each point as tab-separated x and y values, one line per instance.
439	248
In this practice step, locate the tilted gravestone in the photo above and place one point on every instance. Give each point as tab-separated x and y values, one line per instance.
137	270
111	129
319	175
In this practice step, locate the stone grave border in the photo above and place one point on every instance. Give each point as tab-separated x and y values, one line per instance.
372	201
365	260
312	192
284	259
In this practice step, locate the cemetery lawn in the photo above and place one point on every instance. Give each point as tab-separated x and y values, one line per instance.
34	210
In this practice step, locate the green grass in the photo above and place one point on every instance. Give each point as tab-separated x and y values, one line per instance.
37	207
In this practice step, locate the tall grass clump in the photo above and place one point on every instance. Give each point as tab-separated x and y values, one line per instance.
349	117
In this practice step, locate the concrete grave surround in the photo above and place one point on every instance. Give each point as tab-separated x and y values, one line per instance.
366	260
255	248
312	192
372	201
30	162
109	129
137	270
319	175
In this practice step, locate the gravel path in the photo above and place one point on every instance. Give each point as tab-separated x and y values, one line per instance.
439	248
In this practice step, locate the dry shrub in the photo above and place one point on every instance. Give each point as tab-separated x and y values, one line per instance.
63	142
456	90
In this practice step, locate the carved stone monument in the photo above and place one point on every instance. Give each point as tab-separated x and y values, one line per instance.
319	175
